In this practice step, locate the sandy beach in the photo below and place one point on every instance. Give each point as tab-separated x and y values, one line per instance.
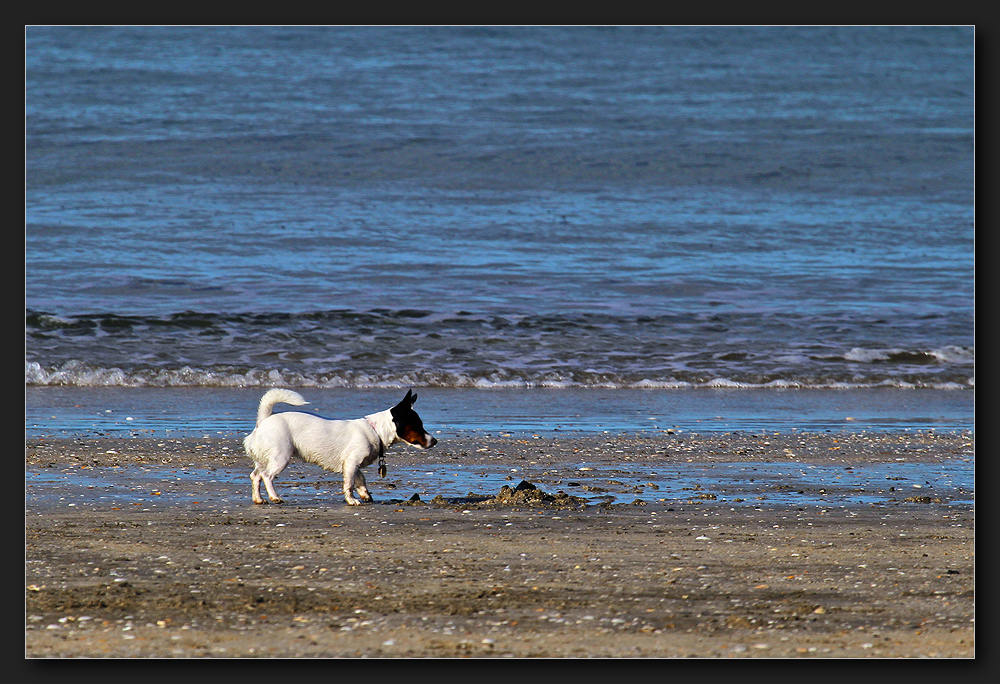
813	545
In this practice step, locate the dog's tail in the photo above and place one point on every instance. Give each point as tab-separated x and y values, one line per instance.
277	396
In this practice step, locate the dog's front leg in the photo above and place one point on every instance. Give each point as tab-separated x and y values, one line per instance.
361	485
349	474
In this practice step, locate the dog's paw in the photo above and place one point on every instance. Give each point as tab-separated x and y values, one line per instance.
277	499
352	501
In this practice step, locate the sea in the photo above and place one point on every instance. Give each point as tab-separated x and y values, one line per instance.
536	228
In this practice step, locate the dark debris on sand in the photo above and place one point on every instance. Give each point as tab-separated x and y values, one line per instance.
524	494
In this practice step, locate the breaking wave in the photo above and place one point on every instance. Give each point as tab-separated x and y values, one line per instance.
383	348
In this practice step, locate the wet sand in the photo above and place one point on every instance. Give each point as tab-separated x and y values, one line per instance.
654	545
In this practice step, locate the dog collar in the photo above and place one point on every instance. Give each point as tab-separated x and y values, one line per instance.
382	470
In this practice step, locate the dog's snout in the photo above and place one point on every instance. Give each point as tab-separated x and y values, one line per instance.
431	441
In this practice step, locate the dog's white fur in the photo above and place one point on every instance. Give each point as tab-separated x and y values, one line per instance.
343	446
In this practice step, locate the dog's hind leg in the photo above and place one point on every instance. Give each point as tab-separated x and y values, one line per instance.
266	474
255	478
269	484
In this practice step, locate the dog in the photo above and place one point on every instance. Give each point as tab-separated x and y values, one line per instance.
342	446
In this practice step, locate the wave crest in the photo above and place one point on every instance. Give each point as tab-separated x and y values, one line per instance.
79	374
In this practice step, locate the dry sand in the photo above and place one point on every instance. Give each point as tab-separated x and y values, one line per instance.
152	548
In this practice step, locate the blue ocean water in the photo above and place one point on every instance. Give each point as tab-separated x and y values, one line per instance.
615	208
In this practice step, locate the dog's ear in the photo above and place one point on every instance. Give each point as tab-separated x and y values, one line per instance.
408	399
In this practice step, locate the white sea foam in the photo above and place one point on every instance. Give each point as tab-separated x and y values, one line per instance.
868	355
76	373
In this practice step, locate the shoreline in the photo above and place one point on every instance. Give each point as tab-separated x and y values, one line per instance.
151	548
449	412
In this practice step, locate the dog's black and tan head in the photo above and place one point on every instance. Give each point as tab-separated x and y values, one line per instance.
409	427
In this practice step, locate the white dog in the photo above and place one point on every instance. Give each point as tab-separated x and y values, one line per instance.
343	446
